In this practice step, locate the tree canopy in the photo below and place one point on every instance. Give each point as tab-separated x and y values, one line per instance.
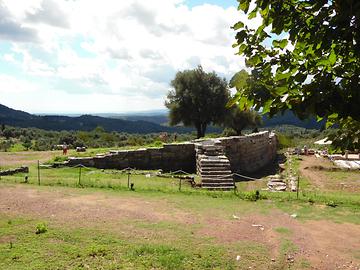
238	120
304	56
197	99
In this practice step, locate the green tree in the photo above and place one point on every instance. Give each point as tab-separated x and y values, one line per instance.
6	145
305	57
198	98
27	143
238	120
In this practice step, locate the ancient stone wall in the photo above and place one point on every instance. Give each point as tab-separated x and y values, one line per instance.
170	157
245	153
251	152
22	169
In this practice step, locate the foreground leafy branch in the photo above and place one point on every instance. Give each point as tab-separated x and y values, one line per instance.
304	56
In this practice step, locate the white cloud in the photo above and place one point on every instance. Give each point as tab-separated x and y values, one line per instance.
126	48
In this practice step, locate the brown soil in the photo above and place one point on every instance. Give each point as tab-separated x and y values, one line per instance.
317	170
14	159
326	245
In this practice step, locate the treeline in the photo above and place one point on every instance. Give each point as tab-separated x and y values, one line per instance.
41	140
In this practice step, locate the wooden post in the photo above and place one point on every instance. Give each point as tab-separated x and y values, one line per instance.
297	189
179	184
235	187
38	167
80	175
128	178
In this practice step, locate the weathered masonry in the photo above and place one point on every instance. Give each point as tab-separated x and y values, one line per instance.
214	159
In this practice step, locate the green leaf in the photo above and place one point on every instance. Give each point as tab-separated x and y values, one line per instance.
332	58
244	5
300	77
238	25
252	14
280	43
240	36
281	90
266	107
242	48
253	61
282	76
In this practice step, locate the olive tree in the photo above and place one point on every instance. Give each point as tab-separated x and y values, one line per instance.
197	99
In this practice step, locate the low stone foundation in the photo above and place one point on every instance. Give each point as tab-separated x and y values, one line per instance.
241	154
170	157
22	169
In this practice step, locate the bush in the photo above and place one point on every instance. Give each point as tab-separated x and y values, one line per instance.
254	196
284	141
41	228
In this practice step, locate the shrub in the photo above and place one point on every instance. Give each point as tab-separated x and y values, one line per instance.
41	228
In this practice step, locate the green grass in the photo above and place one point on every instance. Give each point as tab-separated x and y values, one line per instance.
81	248
309	205
283	230
17	147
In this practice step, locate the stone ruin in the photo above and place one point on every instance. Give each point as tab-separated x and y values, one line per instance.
22	169
214	160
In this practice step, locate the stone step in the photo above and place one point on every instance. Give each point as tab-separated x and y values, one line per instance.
215	172
221	166
217	178
221	157
215	169
219	188
214	183
221	175
214	162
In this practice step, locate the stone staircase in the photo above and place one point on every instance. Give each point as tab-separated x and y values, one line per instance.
213	166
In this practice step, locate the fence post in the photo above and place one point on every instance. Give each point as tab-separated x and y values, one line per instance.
235	187
179	184
128	178
80	175
38	167
297	189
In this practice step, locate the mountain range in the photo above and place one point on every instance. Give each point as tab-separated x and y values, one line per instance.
132	123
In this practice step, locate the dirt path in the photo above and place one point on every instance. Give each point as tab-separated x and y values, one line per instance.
325	179
325	244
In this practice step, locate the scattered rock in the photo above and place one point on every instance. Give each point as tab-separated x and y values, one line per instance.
290	258
276	183
261	227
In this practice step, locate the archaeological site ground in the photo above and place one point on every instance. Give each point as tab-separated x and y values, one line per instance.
87	215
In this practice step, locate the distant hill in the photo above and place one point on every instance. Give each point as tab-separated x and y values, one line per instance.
288	118
131	123
17	118
160	118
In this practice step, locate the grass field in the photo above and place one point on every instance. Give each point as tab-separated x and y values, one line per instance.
101	224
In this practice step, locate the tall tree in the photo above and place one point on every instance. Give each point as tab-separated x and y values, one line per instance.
304	56
198	98
238	120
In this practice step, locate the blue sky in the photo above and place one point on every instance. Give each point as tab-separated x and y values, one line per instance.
83	56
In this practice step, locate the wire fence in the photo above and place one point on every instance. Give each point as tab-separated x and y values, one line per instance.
178	181
82	176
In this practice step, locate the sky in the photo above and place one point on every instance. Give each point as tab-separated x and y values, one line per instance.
109	56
